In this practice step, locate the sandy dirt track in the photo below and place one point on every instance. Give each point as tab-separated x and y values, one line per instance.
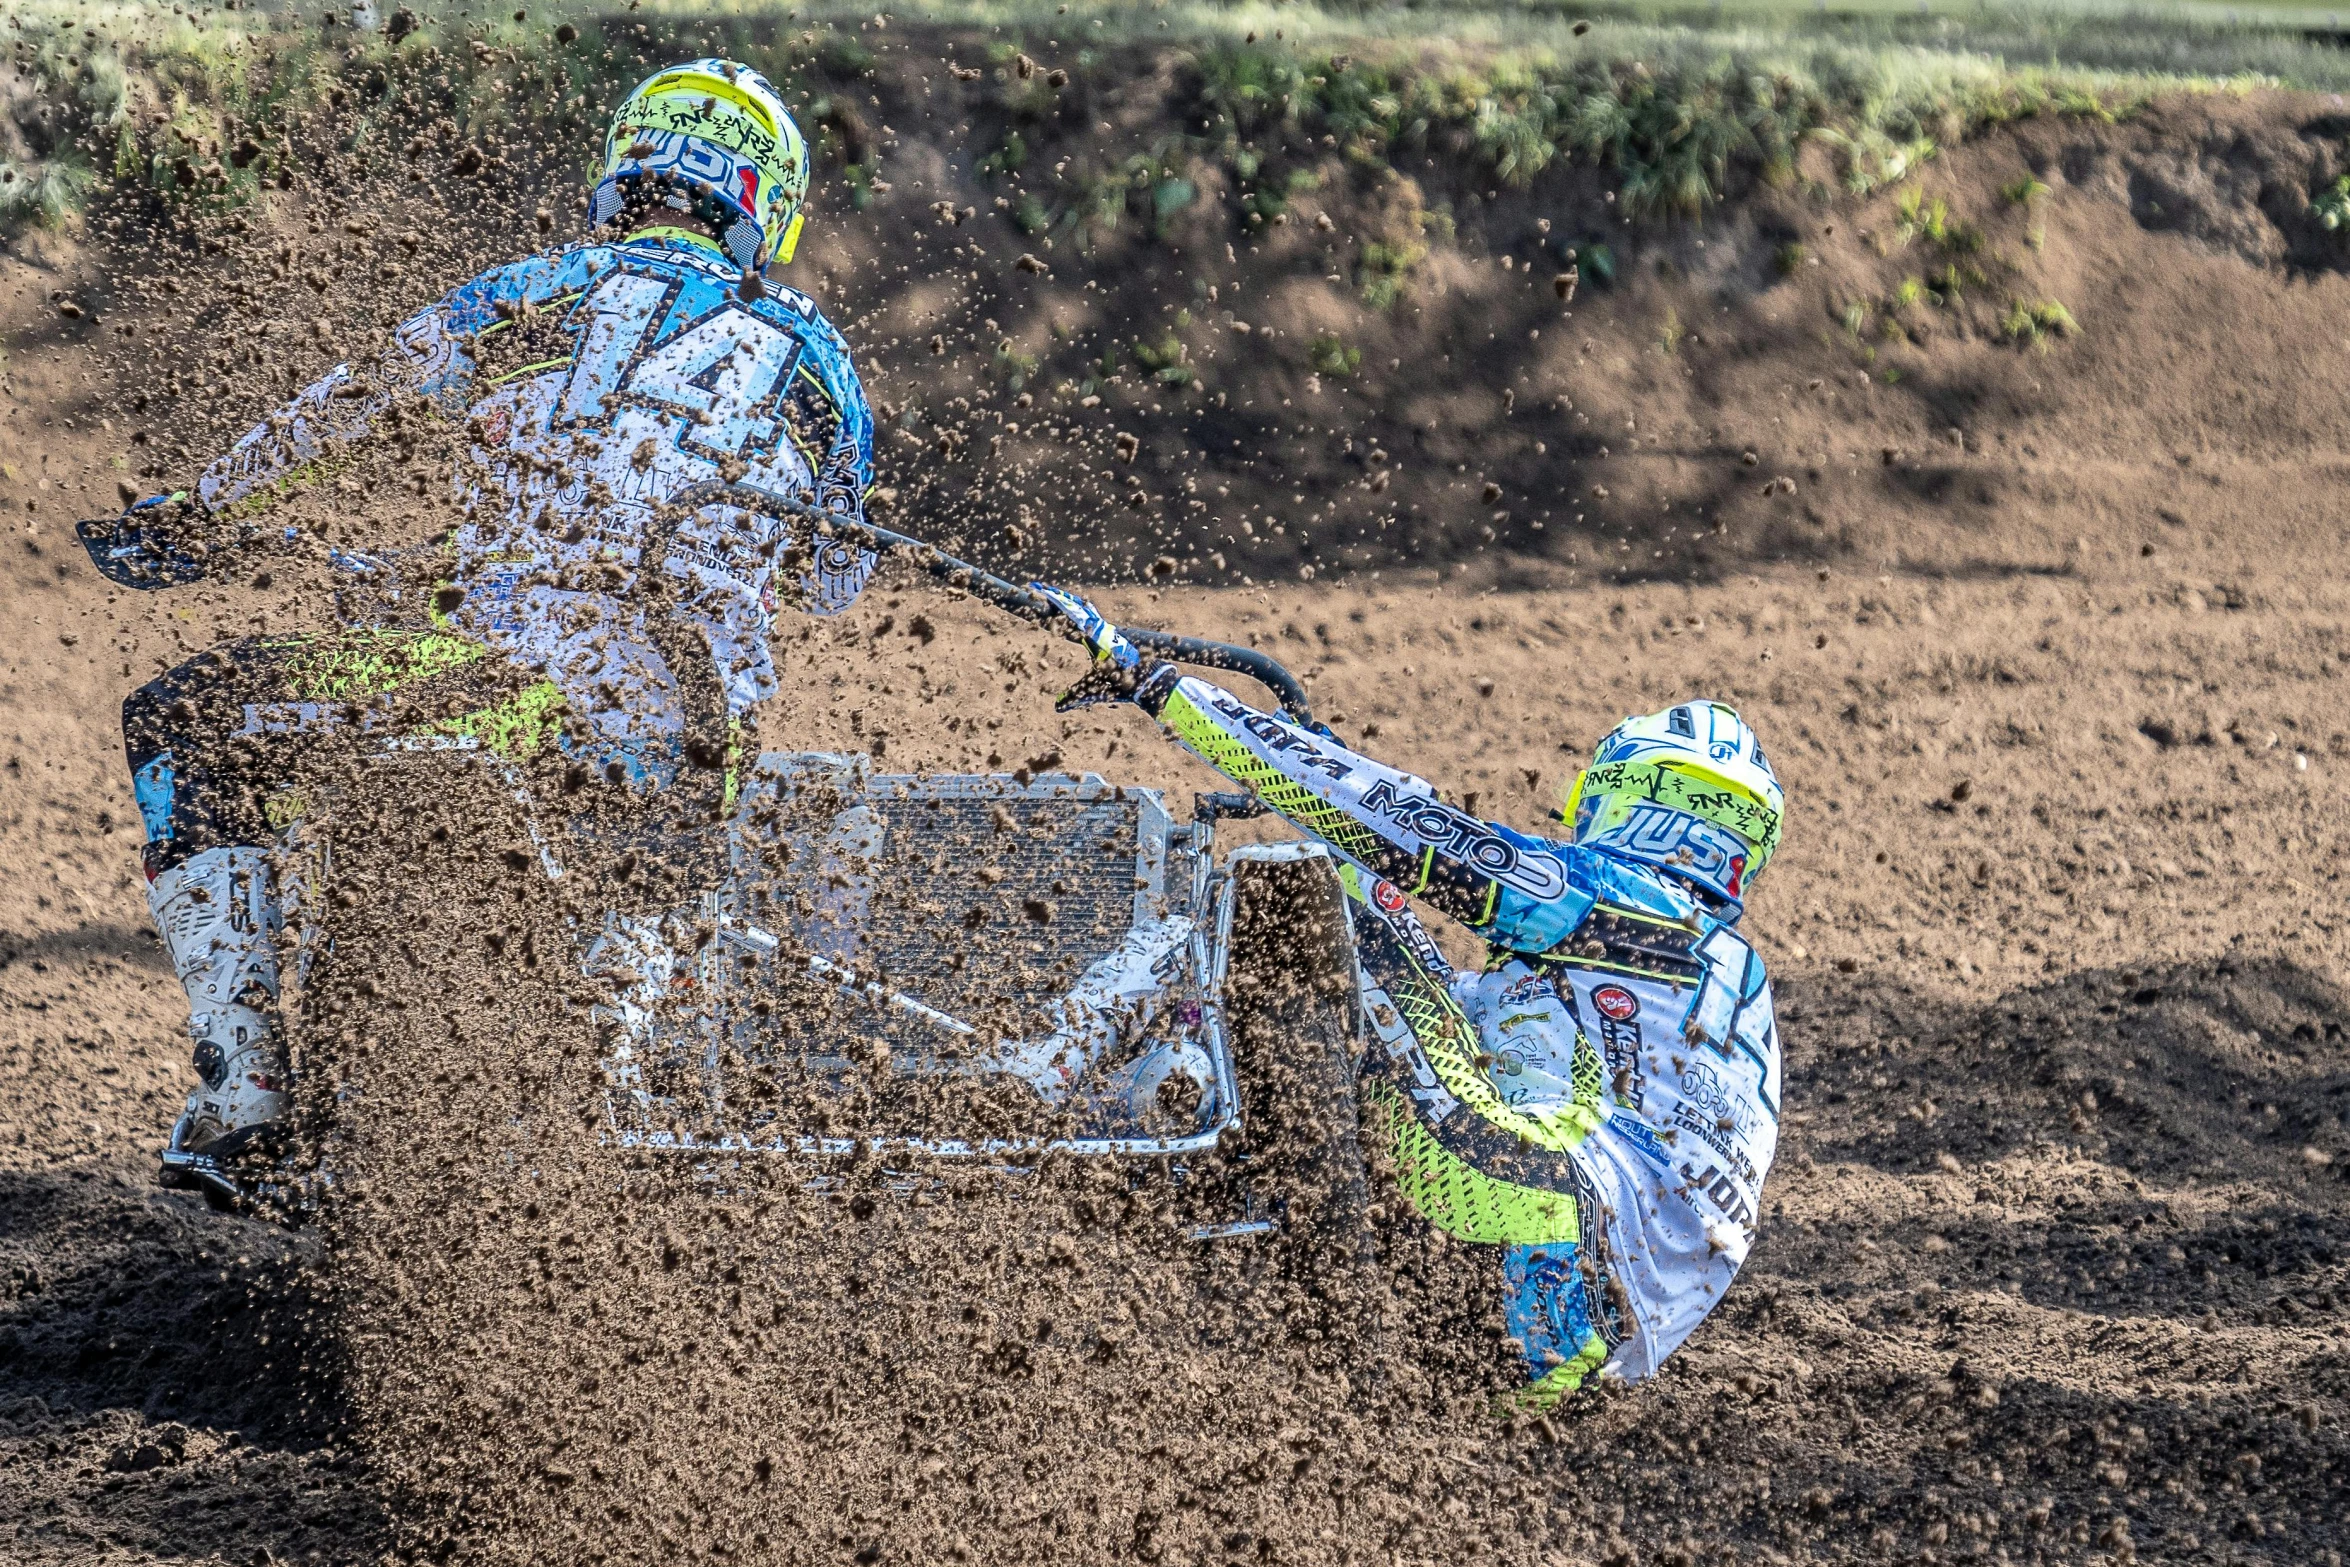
2057	1259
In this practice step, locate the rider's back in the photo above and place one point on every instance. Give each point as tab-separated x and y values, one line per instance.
601	387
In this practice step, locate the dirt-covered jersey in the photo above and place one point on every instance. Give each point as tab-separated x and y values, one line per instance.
596	385
1603	1099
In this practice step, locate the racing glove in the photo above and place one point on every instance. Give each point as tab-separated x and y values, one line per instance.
1119	670
134	550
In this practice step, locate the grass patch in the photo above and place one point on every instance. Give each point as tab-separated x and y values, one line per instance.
42	194
2034	322
1683	116
1330	356
1010	366
1167	360
1917	216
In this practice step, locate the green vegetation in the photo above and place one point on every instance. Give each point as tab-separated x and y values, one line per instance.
2035	321
1168	359
2331	207
1332	357
1684	105
1916	216
1670	333
1681	115
1012	367
1951	283
42	193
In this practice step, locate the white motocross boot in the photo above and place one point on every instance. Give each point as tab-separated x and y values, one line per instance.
218	917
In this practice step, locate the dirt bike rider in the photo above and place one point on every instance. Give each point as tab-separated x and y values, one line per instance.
599	385
1602	1102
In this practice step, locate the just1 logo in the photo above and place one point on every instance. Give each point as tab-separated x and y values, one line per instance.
1461	836
1387	897
669	152
721	372
1283	741
1657	833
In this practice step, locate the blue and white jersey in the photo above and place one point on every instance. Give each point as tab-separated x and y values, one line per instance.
595	385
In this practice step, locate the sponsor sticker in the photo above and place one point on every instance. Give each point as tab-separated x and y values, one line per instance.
1464	837
1282	740
1614	1001
1640	1136
1387	897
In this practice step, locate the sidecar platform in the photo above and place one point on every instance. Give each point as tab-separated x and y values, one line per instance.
974	966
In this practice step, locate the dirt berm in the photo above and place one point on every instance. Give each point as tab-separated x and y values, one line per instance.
2041	614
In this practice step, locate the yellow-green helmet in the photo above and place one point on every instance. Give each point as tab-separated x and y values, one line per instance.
721	133
1686	790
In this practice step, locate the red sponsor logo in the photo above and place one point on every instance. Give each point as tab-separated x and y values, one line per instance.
1385	895
1614	1001
1737	874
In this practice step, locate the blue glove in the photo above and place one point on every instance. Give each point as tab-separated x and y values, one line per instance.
131	551
1115	661
1107	642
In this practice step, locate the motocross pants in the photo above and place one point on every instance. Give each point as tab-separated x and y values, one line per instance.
208	742
215	749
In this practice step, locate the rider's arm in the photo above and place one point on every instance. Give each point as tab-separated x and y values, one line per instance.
834	425
172	540
845	474
294	445
1512	889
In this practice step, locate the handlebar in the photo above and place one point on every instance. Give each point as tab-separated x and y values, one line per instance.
1010	596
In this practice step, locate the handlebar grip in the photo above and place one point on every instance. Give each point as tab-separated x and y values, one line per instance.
1263	668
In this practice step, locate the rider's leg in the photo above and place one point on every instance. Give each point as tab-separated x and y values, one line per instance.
1472	1165
211	749
218	915
211	890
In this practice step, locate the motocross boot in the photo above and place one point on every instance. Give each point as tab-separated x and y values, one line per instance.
218	916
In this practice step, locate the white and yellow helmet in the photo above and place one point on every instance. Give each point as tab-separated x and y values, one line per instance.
1686	790
720	132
